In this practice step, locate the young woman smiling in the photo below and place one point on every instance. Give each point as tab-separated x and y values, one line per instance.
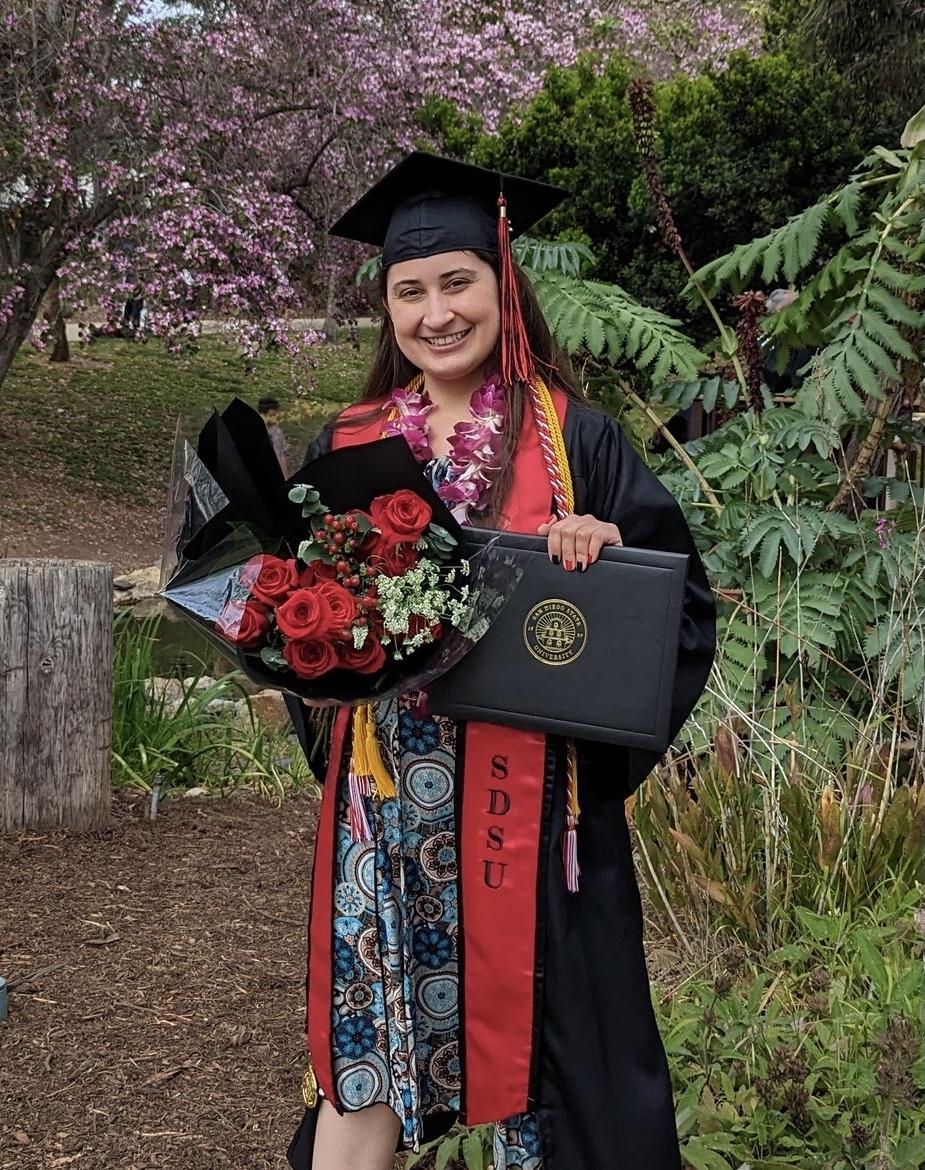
559	1046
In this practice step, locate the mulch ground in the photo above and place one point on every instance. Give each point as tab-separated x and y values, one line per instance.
157	971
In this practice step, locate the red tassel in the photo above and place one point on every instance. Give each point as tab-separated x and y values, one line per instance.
516	360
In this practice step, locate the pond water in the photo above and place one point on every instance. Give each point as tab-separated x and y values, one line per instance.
179	648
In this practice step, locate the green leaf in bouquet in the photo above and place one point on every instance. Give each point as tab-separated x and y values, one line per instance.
273	658
438	533
364	524
309	498
310	551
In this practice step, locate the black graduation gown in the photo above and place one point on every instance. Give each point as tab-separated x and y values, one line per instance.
600	1082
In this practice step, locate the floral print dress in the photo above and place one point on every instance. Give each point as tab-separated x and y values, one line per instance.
395	1019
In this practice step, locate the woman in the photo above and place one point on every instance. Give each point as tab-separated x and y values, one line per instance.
555	1040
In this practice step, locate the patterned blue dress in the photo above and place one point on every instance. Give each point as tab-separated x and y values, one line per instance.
395	1019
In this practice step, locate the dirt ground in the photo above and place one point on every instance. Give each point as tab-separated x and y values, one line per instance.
156	1001
96	528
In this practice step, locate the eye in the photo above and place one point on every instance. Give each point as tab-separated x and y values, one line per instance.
458	283
408	294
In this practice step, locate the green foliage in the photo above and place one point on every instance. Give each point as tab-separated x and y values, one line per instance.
461	1147
810	1059
879	49
740	151
188	741
860	251
541	256
608	323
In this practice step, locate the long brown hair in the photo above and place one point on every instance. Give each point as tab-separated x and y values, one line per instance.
391	368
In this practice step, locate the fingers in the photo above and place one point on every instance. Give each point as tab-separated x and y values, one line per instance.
567	539
576	541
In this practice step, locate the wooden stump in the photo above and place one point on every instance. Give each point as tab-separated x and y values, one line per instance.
55	694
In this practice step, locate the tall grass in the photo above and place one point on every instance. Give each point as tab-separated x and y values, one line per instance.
188	743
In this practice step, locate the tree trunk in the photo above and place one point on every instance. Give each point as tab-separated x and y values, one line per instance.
13	334
55	694
54	315
37	282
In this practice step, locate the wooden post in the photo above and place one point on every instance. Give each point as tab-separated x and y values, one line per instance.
55	694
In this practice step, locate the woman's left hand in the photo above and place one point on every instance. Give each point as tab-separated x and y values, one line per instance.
576	541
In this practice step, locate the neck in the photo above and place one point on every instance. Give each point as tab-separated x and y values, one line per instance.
454	395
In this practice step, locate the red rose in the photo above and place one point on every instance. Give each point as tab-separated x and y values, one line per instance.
367	660
243	622
310	658
341	604
402	516
304	614
314	573
273	580
393	560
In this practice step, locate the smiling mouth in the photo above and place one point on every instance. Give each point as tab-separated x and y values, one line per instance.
447	339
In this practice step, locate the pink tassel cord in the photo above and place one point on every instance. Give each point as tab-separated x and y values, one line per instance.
359	790
570	855
573	812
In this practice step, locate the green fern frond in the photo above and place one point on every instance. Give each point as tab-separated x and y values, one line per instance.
797	530
789	429
788	249
900	648
548	256
741	658
805	613
610	324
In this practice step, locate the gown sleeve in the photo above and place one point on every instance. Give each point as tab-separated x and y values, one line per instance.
622	490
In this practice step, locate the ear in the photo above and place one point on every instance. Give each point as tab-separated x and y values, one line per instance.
385	307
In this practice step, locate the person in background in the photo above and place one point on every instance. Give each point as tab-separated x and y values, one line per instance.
268	409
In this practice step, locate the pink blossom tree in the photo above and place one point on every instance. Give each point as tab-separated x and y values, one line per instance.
195	158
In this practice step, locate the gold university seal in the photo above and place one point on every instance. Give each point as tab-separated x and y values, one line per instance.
555	632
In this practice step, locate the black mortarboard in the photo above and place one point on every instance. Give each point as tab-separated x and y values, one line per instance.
426	205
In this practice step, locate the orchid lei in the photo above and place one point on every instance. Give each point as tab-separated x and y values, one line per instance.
475	446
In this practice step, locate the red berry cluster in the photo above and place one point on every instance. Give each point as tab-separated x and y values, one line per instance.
340	539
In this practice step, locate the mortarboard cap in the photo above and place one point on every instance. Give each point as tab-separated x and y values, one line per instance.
426	205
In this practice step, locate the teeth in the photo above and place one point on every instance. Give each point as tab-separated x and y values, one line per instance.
450	339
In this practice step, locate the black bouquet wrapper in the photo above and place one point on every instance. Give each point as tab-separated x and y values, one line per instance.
229	502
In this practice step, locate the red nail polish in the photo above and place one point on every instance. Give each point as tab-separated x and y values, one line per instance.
568	566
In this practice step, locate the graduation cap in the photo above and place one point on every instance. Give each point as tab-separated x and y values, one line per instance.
426	205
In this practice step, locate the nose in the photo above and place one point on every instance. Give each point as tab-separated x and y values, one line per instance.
437	314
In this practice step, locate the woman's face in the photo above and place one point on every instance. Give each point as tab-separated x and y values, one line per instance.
445	311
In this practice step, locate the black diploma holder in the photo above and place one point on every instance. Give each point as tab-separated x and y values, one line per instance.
588	655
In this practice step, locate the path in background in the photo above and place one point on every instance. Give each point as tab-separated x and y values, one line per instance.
167	1029
298	324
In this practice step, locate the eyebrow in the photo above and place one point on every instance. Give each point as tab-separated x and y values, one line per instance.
443	276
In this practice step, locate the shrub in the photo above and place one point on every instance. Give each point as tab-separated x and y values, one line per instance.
741	150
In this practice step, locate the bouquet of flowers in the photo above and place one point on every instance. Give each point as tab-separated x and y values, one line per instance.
344	584
365	587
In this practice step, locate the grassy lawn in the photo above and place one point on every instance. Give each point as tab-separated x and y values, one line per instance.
106	421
